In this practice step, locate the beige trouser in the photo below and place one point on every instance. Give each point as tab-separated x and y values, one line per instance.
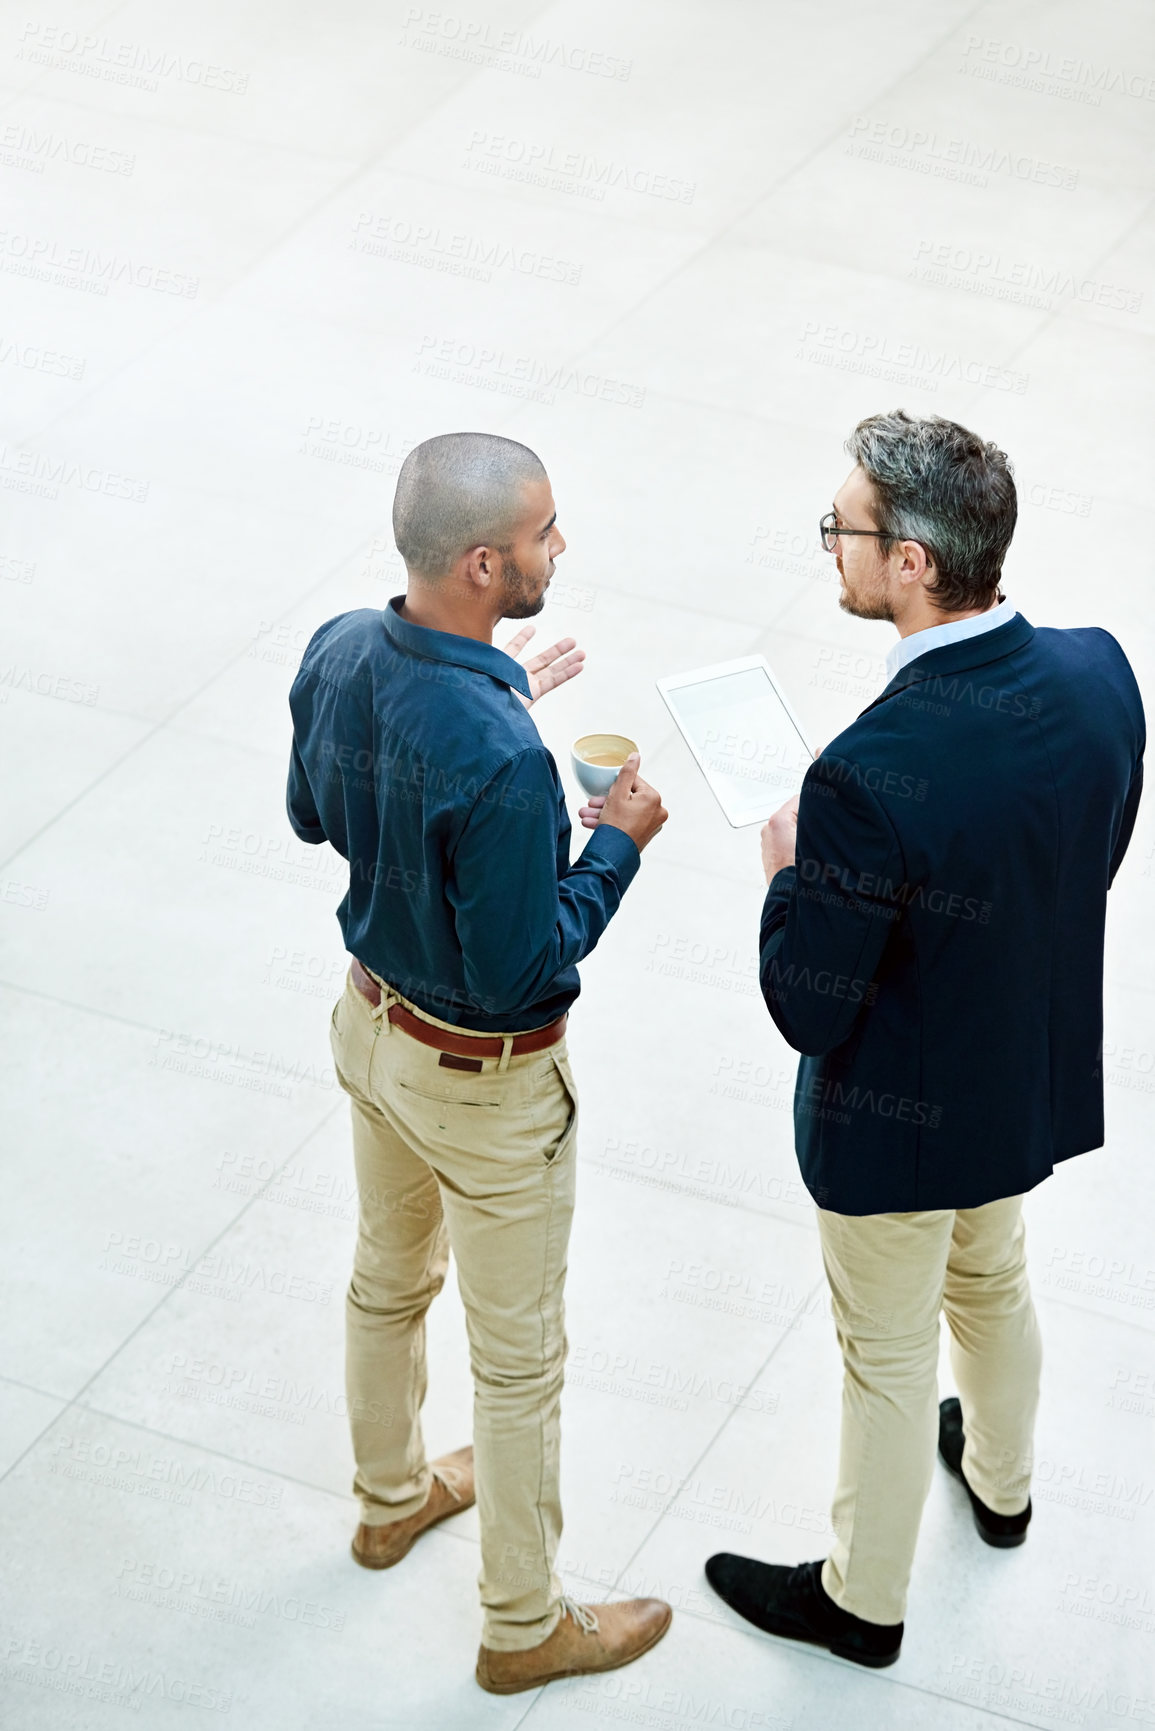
484	1163
890	1275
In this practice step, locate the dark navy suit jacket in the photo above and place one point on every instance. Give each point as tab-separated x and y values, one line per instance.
936	950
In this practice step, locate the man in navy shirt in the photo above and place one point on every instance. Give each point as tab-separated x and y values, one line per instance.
415	755
932	943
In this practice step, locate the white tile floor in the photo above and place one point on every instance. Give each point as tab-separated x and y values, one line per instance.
233	299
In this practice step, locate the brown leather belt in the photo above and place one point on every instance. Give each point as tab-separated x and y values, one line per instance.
473	1047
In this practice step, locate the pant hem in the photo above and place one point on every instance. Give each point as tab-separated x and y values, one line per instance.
375	1516
496	1641
839	1599
1007	1514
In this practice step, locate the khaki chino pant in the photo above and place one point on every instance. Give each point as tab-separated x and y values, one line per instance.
483	1163
890	1276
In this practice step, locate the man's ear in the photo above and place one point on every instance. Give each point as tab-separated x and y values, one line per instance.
476	570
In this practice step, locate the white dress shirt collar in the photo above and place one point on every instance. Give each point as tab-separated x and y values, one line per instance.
908	649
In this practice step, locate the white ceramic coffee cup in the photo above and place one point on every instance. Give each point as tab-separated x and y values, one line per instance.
598	778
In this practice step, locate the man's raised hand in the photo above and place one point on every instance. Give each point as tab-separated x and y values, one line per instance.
551	667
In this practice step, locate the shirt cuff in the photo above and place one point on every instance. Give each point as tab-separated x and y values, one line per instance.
617	849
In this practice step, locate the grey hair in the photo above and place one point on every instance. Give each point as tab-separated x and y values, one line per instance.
457	491
937	483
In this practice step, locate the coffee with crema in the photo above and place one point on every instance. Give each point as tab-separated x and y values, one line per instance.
597	758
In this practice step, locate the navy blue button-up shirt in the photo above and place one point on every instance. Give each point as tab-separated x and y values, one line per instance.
413	756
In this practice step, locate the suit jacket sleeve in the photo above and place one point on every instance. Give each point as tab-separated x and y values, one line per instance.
826	919
1126	822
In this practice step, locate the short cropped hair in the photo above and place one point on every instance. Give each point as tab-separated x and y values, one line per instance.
940	484
457	491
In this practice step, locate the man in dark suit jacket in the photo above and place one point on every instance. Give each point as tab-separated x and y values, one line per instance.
932	943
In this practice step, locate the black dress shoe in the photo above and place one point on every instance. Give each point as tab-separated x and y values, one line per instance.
794	1603
1001	1530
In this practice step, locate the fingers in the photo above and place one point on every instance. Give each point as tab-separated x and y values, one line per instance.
518	642
561	647
566	668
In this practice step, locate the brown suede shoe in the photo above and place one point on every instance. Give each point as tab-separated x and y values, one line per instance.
450	1492
587	1638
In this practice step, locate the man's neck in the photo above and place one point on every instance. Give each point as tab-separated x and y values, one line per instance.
925	617
425	606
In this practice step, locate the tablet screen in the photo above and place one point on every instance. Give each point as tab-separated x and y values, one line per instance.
745	739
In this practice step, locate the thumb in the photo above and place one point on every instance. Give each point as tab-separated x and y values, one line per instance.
627	774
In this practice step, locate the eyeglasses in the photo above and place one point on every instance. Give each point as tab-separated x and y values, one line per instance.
829	531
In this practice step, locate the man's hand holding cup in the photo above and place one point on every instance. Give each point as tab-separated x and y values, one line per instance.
631	805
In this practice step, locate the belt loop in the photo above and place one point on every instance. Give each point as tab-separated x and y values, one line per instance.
381	1012
506	1049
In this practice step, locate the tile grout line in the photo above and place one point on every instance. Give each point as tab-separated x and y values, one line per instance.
218	673
95	1010
688	1195
163	1300
601	1167
152	729
803	1651
915	1688
993	1713
158	726
192	1443
364	167
764	193
736	1408
79	1008
198	1447
138	1424
1051	317
1045	1297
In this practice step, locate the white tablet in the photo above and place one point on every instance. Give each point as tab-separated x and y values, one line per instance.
746	739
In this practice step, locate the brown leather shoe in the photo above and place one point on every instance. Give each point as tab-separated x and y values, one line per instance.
587	1638
450	1492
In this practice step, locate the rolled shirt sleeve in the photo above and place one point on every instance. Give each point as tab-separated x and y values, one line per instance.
522	914
299	802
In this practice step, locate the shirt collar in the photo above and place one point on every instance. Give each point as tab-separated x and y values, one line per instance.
908	649
459	651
